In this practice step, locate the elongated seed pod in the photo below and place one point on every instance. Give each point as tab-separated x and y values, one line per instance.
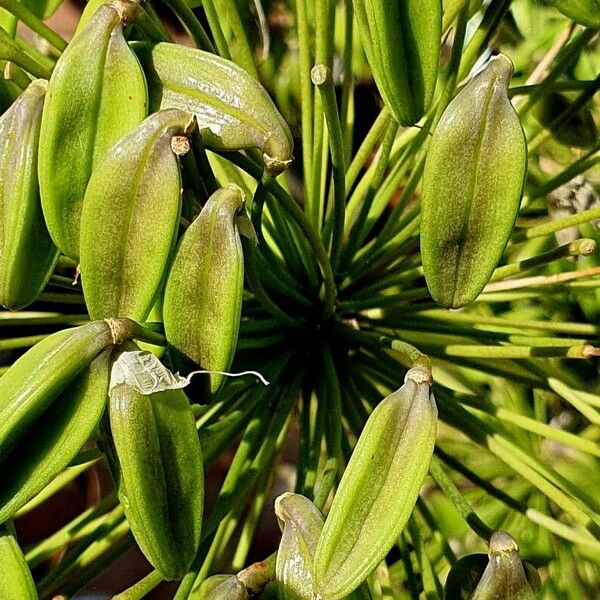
504	576
160	478
472	187
220	587
203	297
27	254
87	110
233	110
402	41
301	523
379	487
53	441
130	217
38	377
584	12
15	577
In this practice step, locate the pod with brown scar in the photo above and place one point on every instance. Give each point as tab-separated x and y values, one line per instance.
130	217
472	186
203	297
232	109
379	487
27	254
96	95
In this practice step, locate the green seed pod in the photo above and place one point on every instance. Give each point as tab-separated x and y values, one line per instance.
130	217
15	577
402	41
96	95
160	475
379	487
203	297
38	377
579	130
584	12
220	587
301	523
472	187
504	576
51	443
27	254
233	110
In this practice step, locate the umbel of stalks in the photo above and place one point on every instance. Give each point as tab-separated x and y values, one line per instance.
96	95
472	187
232	109
156	460
52	399
402	40
379	487
27	254
130	217
203	297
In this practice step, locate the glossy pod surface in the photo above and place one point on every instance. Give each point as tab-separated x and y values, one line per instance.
87	110
130	218
472	187
203	297
379	487
27	254
402	40
232	109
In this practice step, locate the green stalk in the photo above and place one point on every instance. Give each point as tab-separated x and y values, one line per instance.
23	14
10	51
321	78
246	57
191	23
580	247
587	161
306	104
142	588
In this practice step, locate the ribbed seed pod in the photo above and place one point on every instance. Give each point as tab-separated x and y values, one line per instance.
160	474
49	444
233	110
472	187
584	12
15	577
379	487
27	254
301	523
130	217
220	587
38	377
96	95
504	576
203	297
402	41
